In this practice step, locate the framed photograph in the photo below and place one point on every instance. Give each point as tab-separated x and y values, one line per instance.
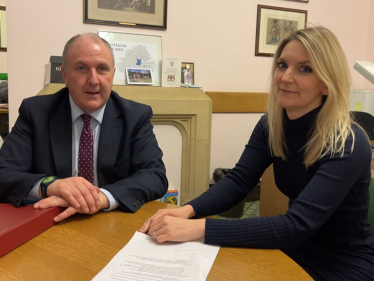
135	51
3	41
299	0
139	76
129	13
273	25
192	71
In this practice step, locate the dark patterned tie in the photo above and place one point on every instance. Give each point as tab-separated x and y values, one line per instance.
85	157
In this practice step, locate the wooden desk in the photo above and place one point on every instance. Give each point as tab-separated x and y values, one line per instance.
78	248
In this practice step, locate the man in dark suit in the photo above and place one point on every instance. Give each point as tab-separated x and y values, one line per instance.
40	161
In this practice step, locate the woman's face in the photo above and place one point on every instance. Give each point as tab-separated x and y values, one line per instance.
298	89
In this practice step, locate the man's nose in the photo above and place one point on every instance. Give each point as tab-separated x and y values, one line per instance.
93	79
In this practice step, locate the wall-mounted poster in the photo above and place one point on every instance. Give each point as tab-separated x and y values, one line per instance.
135	51
3	40
128	13
273	25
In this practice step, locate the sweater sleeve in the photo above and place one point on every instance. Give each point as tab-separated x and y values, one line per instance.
322	196
229	191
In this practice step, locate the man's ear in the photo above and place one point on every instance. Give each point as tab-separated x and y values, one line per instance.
63	72
325	91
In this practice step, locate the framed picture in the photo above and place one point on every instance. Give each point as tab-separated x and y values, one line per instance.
135	51
129	13
192	72
299	0
3	41
139	76
273	25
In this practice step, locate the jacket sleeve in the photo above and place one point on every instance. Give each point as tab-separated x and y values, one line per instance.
16	160
147	180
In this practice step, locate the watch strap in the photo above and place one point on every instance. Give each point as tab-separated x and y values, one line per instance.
44	185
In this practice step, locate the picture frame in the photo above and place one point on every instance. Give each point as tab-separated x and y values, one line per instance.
3	36
273	25
135	51
192	70
150	14
139	76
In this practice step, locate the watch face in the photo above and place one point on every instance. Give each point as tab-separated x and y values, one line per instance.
48	179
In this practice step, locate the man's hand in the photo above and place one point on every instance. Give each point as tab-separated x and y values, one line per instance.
78	192
185	212
54	201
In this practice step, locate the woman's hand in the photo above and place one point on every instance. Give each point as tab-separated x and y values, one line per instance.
174	229
185	212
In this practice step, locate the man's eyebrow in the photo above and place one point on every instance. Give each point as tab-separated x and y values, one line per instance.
104	64
83	63
78	62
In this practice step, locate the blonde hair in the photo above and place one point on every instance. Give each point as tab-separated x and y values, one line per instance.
333	124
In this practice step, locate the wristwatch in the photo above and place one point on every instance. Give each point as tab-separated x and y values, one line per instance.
45	183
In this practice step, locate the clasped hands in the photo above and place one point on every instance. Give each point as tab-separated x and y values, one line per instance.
76	194
174	225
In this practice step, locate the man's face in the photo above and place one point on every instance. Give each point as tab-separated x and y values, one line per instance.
89	73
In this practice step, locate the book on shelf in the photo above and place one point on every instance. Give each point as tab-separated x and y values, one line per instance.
19	225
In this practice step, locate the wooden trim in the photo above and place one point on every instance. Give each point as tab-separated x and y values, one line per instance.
238	102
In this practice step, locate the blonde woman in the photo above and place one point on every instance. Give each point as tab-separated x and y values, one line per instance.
321	161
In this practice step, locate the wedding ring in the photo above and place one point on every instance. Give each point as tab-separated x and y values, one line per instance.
154	235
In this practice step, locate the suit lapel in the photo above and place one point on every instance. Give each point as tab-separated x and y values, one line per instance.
110	136
61	138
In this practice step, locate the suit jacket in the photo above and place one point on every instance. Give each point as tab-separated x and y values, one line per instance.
129	163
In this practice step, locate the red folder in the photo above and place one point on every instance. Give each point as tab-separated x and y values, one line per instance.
19	225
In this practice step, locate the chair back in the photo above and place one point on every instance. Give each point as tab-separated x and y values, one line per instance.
371	206
366	121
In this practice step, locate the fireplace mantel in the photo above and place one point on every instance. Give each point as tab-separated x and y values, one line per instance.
189	110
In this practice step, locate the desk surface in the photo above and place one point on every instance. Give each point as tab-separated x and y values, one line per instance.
78	248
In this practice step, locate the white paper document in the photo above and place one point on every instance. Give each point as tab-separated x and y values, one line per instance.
145	259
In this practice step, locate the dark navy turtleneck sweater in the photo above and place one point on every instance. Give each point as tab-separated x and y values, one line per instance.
326	229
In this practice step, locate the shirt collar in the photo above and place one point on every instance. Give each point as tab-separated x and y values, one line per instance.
76	111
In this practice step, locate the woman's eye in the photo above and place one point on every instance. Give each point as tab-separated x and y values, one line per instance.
306	69
281	65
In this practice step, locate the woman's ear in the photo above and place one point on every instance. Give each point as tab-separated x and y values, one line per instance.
325	91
